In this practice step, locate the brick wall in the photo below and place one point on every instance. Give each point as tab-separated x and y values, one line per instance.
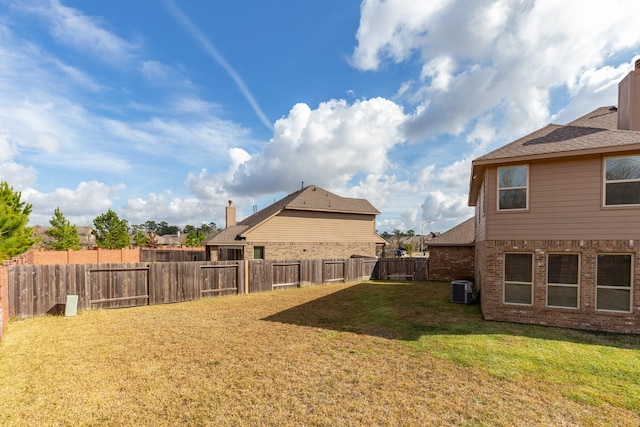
96	256
490	256
311	250
451	262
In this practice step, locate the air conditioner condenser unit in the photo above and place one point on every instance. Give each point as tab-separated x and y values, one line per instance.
461	291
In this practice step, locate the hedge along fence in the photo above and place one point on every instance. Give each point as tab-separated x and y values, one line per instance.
36	290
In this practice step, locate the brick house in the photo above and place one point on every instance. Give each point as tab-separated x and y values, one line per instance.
557	223
311	223
452	253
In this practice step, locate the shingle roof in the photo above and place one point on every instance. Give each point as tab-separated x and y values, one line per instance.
603	118
561	141
229	235
592	133
462	234
310	198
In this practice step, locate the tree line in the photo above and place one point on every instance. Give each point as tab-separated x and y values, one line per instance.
398	233
109	230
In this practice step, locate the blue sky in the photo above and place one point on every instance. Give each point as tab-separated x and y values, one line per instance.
164	109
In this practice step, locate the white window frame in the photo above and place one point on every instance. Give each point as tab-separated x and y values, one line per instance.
565	285
525	187
630	288
506	282
618	181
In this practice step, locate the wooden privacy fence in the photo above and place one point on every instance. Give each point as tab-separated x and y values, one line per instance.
172	255
42	289
402	268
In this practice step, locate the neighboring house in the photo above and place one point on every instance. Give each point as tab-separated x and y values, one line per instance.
558	221
311	223
452	253
87	239
418	245
170	240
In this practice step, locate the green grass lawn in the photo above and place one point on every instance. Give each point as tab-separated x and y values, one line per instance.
372	353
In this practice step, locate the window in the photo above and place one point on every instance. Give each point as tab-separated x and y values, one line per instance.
622	181
518	278
613	286
258	252
563	272
512	187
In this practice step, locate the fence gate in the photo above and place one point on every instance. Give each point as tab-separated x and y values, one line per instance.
118	287
333	271
285	275
421	269
219	280
368	268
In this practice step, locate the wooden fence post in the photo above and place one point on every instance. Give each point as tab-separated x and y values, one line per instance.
246	276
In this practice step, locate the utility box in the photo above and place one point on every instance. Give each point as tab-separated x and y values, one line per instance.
71	308
461	291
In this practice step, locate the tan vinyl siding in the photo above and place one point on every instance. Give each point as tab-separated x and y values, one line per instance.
565	202
309	226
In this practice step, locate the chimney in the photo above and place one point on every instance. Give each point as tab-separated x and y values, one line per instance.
629	100
231	214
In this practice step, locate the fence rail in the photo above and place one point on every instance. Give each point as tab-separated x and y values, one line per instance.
36	290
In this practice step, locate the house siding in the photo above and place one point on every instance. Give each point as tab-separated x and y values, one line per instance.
490	255
565	203
312	226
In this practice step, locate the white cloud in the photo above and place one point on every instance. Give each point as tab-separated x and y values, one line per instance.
7	149
172	209
439	70
205	186
87	35
595	87
509	56
392	29
17	175
438	206
326	146
79	205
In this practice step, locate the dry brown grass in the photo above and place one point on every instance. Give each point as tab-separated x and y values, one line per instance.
369	354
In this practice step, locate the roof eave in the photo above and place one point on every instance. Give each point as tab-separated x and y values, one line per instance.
294	208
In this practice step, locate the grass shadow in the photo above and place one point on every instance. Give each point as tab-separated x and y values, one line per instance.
410	310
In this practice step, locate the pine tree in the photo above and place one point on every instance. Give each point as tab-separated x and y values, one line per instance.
195	239
111	232
15	236
64	235
141	239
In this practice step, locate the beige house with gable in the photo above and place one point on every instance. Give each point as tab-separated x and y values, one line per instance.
311	223
557	223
